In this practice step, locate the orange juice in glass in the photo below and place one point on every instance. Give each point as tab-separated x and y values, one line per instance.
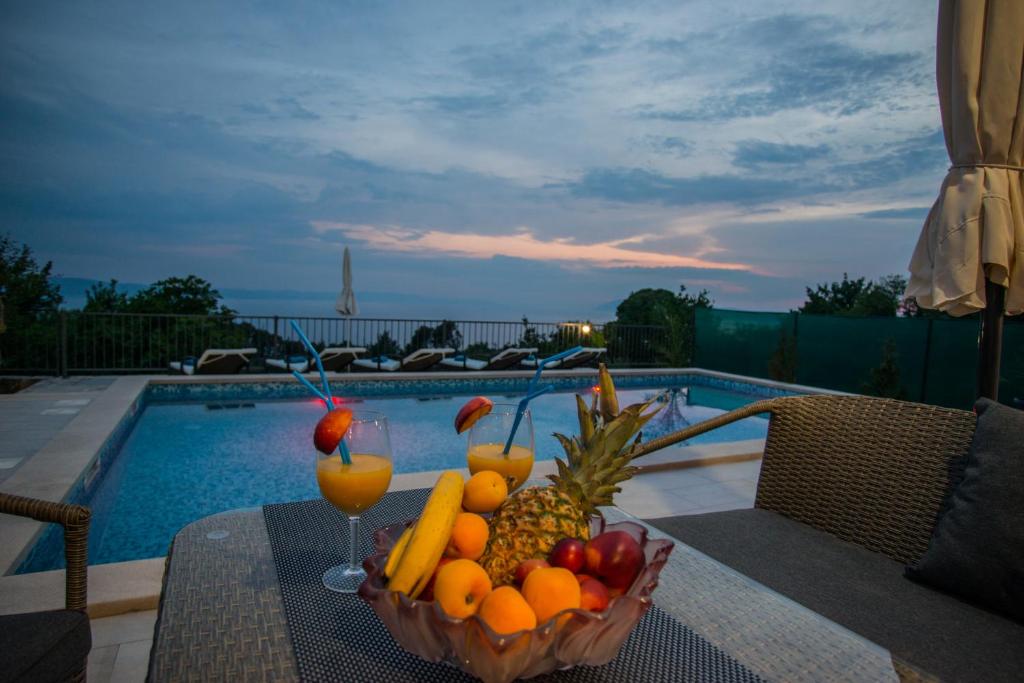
487	440
355	487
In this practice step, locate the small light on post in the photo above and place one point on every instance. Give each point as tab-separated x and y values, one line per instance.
585	328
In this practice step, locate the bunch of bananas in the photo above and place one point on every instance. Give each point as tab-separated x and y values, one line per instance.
415	556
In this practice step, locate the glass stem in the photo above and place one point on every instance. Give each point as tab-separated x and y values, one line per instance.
353	544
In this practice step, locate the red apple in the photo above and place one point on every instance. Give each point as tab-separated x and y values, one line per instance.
473	410
330	429
527	566
583	577
593	595
615	558
568	553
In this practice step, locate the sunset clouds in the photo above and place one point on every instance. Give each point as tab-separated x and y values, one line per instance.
752	148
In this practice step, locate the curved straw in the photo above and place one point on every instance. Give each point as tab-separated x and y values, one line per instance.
319	363
325	396
309	385
533	391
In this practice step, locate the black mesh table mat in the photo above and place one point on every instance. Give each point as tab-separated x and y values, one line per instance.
338	637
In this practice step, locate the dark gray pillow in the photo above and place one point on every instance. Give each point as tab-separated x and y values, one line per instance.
977	547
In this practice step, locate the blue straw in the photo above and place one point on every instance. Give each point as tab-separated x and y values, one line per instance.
326	395
533	391
319	363
309	385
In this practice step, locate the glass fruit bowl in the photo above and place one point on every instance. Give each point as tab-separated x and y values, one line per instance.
571	638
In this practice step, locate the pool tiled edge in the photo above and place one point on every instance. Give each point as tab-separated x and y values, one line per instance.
56	470
254	388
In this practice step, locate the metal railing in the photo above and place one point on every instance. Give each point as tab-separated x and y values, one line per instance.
72	342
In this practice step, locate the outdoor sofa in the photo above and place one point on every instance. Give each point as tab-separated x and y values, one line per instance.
54	645
850	492
215	362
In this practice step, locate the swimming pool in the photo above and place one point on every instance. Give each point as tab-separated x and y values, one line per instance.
182	461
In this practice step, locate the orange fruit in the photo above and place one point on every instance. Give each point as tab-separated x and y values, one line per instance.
505	611
484	492
460	587
550	590
469	537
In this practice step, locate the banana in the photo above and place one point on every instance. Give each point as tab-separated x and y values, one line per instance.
430	536
396	552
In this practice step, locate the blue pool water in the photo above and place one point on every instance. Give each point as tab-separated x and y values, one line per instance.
184	461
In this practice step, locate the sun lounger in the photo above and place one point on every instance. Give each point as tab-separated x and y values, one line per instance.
585	356
334	359
290	363
508	358
215	362
582	357
421	359
337	358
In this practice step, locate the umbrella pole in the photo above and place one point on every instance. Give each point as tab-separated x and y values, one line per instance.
990	341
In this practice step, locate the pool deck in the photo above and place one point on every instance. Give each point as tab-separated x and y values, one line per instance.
51	432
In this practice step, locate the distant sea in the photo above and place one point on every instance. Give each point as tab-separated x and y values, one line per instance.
372	304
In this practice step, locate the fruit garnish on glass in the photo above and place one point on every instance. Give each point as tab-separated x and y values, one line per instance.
352	480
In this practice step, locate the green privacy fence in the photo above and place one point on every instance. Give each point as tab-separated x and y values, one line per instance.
935	358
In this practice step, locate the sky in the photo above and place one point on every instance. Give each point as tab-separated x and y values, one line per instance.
482	161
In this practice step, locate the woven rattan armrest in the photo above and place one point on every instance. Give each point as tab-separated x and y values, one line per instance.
75	520
706	426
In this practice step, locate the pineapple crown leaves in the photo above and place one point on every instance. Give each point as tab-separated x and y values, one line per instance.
599	459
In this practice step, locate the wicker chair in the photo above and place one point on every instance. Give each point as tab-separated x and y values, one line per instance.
53	645
869	470
874	473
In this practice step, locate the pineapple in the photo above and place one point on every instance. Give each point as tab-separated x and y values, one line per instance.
532	520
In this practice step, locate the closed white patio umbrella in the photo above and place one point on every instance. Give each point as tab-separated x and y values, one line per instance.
970	254
346	303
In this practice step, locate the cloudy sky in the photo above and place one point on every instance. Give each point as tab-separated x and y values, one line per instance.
481	160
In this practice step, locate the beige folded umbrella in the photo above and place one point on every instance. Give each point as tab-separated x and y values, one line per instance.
970	255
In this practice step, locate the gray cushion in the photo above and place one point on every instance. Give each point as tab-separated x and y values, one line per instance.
862	590
977	547
43	646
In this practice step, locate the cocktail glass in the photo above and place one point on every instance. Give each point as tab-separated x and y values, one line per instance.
487	442
355	488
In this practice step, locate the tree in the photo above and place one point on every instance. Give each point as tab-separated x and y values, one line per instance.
191	295
29	301
384	346
420	339
446	336
834	298
658	307
857	298
782	364
885	379
530	339
646	307
104	298
27	290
